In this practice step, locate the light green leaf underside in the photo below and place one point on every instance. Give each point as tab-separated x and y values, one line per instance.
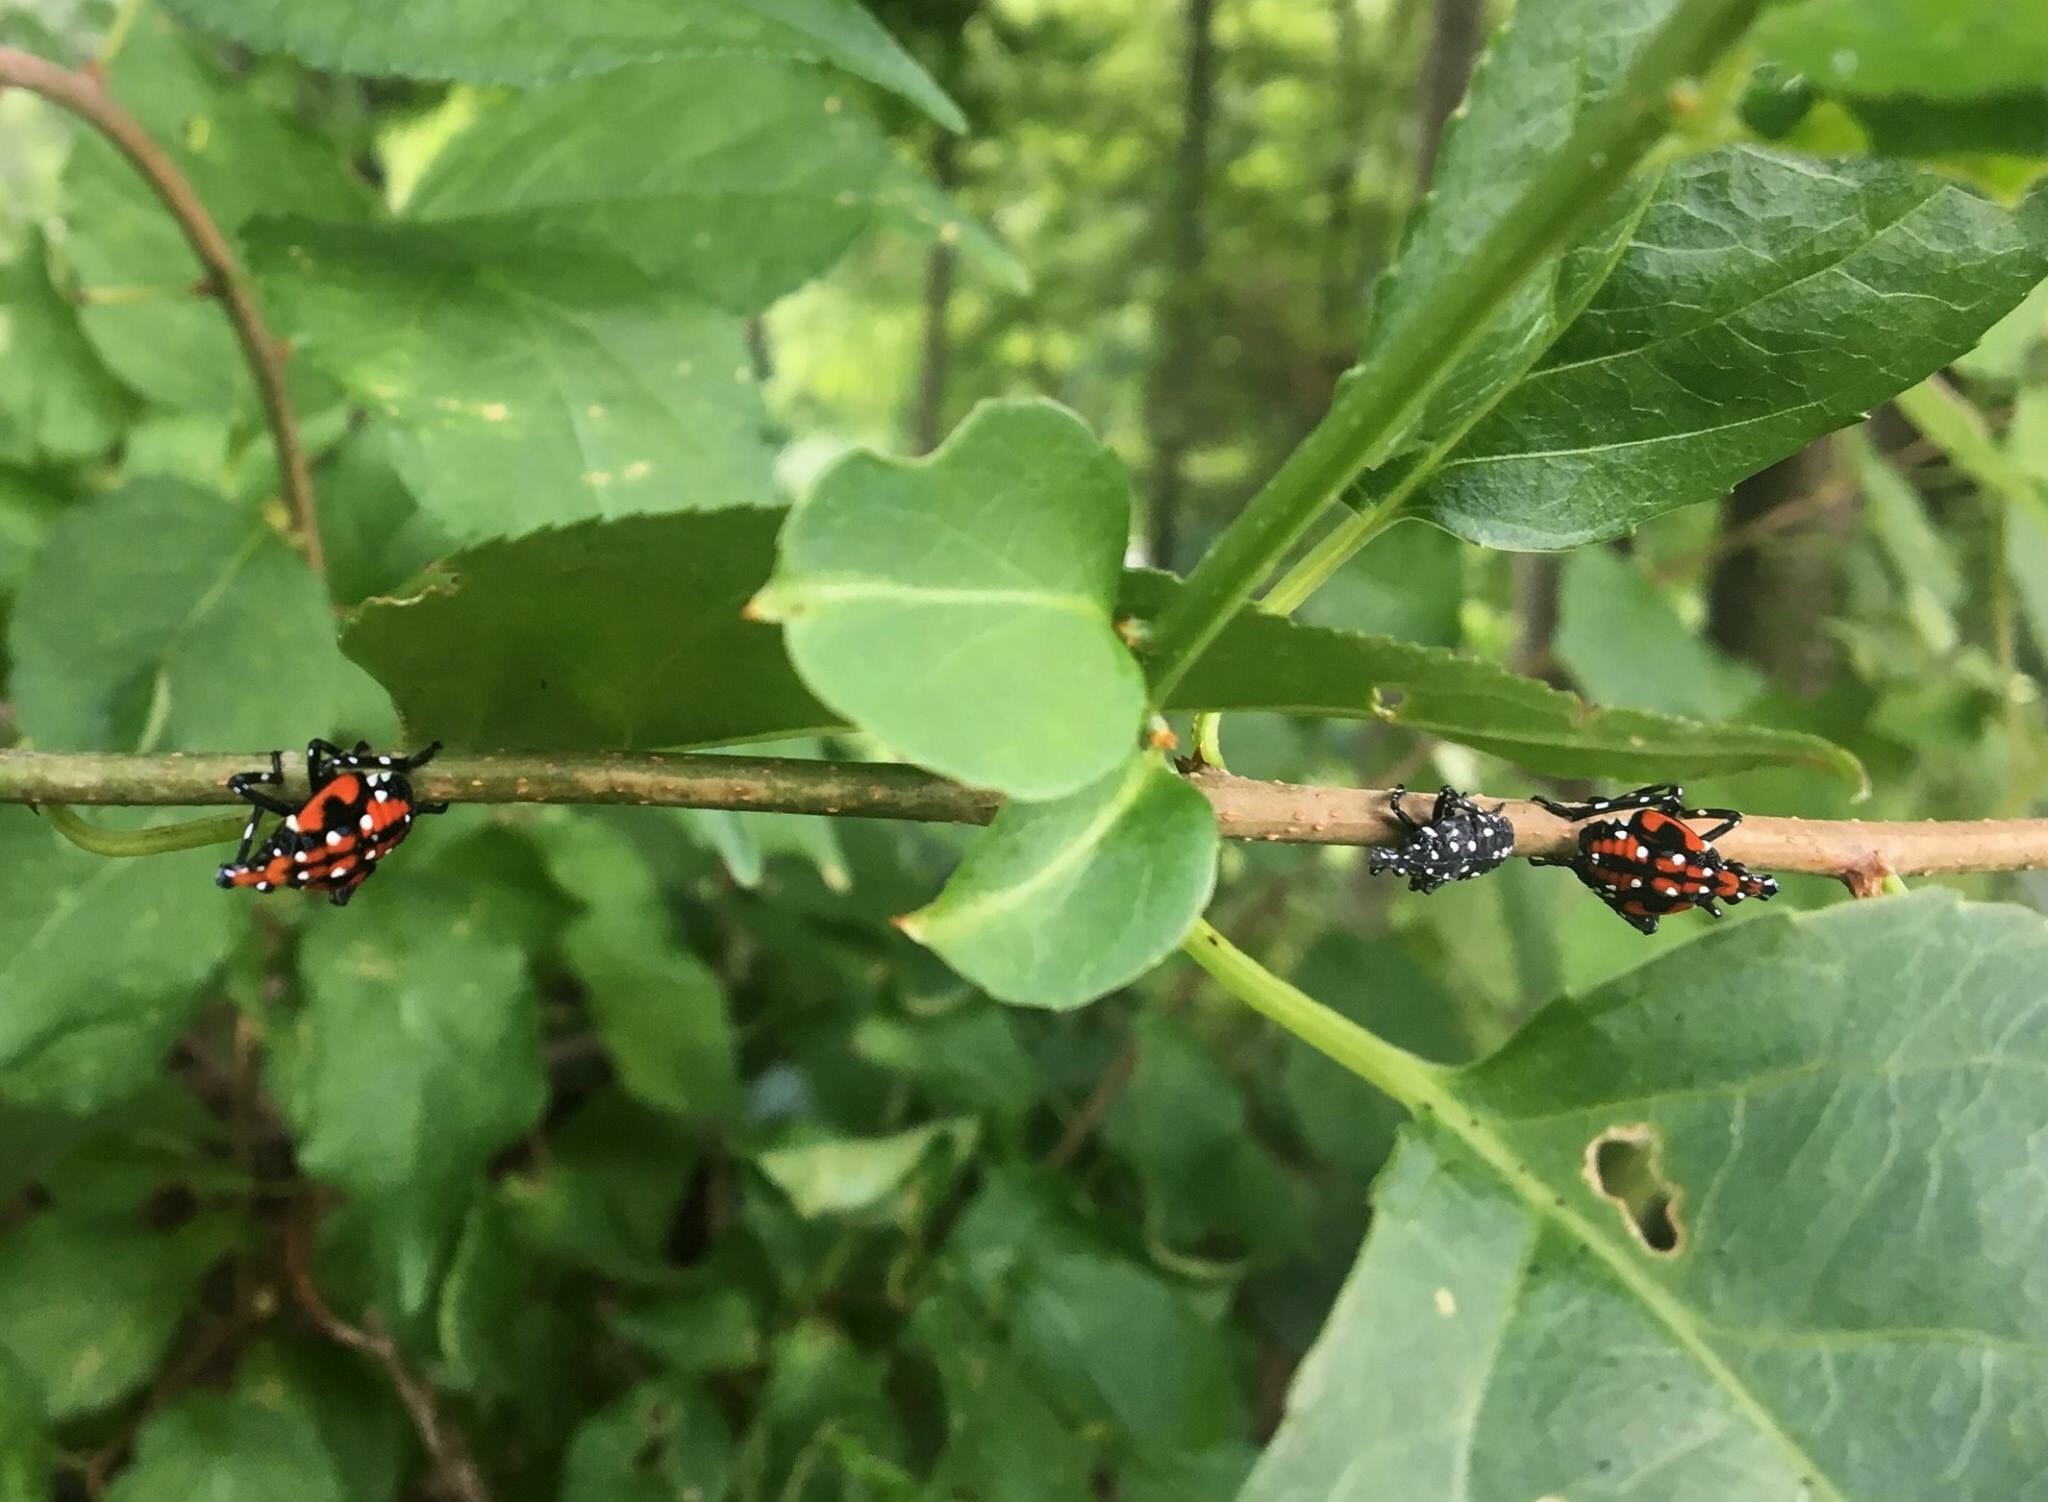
960	607
1848	1107
1061	902
739	178
524	391
1764	299
534	41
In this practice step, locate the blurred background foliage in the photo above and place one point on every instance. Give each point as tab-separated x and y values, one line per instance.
654	1162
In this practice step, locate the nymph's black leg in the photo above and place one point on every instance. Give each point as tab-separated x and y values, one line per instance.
1666	796
418	759
1729	819
1708	905
1406	819
322	757
245	784
430	808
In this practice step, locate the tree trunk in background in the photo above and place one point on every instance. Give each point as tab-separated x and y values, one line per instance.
1768	598
928	415
1456	30
1182	314
1343	282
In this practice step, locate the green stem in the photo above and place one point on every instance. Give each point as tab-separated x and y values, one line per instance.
1415	1083
160	840
1948	421
1315	567
1376	405
1207	733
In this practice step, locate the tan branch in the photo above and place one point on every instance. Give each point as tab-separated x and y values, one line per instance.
1849	850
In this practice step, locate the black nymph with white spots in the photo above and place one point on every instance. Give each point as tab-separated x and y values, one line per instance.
1460	841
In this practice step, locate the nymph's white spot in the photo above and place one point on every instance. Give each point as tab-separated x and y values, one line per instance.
1637	883
292	823
300	857
383	761
1642	852
382	796
262	886
370	855
302	876
366	823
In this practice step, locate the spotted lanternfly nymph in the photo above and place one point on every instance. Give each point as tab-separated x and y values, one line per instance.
361	807
1460	841
1651	863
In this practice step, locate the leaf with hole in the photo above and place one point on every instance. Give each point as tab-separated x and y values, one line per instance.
1764	300
536	41
736	178
215	634
523	389
1059	903
1687	1233
960	607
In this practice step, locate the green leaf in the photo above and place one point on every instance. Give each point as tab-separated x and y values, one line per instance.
1127	1346
56	399
88	1303
1698	361
347	1401
991	567
1059	903
417	1056
1624	645
228	1450
606	1197
1546	69
1819	1103
663	1440
162	617
659	1009
1264	662
25	1450
532	41
842	1175
524	390
712	1331
469	659
138	278
101	963
740	177
1937	48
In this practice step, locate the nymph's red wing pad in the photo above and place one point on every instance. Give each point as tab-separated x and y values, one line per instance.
360	810
1652	863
